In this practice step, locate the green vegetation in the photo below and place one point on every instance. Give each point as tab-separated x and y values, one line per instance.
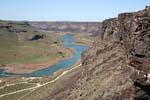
16	87
16	46
32	94
15	96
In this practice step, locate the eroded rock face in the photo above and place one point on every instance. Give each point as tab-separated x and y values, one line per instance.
117	67
129	33
105	66
135	32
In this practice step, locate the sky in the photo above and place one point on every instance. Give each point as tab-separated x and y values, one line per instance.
67	10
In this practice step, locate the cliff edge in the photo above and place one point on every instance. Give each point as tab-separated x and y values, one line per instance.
117	67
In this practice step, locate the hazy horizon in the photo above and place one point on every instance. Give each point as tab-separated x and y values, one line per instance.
66	10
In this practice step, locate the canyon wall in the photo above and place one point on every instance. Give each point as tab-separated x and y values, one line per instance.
117	67
123	51
89	27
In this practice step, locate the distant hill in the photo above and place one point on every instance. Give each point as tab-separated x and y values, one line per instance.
87	27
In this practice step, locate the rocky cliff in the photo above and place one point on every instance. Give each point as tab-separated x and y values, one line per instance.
89	27
117	67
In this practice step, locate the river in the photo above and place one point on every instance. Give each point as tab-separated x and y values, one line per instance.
68	43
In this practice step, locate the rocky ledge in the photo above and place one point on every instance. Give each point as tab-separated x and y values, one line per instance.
117	67
123	50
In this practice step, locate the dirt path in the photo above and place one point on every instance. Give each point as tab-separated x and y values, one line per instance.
40	85
15	84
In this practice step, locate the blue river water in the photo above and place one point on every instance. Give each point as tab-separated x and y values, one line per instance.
68	43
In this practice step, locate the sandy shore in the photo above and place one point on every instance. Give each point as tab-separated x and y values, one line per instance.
28	68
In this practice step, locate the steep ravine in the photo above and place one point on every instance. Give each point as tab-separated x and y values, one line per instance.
117	67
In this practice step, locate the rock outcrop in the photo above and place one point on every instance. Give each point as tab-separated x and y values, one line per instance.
117	67
135	34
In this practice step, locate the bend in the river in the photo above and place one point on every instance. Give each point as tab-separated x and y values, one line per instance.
68	43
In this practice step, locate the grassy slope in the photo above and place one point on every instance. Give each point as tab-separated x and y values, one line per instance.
15	47
35	94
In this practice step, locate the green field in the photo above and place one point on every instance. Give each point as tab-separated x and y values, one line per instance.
16	46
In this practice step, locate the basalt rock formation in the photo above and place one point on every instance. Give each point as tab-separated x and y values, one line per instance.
135	33
117	67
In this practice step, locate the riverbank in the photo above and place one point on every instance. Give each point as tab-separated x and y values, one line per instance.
84	38
33	86
29	68
40	70
24	49
84	42
44	79
80	38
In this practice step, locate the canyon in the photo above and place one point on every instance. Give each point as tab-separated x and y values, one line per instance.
116	67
